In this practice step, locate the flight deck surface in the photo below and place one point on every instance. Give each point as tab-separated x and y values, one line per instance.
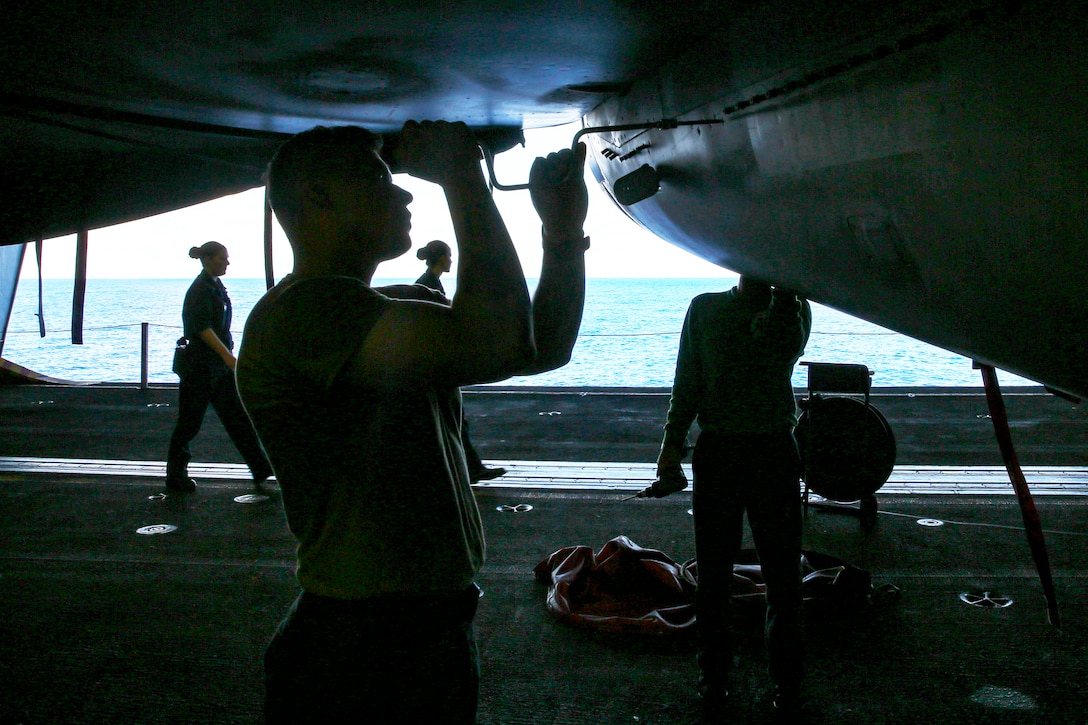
108	621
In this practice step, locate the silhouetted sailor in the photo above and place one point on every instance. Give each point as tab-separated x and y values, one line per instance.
439	258
737	353
355	395
205	363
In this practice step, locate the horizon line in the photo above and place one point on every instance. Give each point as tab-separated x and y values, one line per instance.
114	279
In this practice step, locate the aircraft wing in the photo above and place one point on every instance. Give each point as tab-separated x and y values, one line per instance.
113	111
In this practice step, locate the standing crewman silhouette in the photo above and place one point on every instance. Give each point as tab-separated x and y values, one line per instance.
733	373
205	363
439	258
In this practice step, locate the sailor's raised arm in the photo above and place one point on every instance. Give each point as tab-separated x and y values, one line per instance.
486	333
558	189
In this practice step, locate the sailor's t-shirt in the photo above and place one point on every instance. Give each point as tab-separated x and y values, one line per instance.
375	486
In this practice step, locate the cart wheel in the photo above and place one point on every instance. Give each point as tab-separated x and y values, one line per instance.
847	448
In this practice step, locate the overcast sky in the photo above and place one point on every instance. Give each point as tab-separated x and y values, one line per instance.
157	247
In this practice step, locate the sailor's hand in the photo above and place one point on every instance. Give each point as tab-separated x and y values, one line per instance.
668	461
557	187
672	481
438	151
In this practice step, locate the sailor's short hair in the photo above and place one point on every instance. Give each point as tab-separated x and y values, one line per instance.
319	152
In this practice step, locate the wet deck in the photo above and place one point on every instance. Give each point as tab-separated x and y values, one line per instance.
104	624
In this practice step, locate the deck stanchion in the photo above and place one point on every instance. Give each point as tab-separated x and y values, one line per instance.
1032	526
143	354
79	290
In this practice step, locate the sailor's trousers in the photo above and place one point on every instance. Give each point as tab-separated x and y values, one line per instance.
759	474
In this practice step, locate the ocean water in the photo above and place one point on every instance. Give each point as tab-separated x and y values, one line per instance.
629	335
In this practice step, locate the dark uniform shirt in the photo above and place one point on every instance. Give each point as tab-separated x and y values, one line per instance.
430	281
734	366
206	306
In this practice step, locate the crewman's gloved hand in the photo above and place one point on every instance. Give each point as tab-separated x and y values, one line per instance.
669	481
670	474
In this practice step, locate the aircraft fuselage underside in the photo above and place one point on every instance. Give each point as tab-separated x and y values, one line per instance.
928	177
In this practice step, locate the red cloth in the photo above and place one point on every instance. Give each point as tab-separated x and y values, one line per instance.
623	588
626	588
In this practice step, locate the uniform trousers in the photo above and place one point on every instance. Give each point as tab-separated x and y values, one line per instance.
759	474
196	390
472	458
389	659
